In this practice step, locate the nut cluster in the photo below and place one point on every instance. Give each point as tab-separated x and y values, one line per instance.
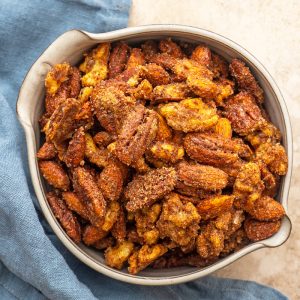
161	154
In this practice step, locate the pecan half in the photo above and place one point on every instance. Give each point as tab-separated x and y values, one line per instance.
117	59
171	48
211	149
54	174
138	131
111	106
47	151
245	80
67	220
243	113
111	180
76	149
145	189
260	230
86	186
201	177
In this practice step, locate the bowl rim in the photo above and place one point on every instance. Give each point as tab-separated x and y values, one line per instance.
36	180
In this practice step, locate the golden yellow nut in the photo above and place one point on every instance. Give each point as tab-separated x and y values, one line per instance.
56	77
189	115
93	153
115	257
167	151
144	257
223	127
95	65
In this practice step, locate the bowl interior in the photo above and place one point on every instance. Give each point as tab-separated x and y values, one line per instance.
69	47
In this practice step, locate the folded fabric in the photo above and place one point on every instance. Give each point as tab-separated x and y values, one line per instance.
33	263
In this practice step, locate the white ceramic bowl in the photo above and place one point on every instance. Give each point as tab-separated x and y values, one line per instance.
69	47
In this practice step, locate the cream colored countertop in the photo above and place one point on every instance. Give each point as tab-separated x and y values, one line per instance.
270	30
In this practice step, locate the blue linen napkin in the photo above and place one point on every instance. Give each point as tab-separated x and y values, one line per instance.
33	262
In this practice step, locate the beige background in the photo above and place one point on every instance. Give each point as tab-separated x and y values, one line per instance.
270	30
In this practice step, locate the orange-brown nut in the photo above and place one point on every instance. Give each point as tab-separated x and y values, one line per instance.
138	131
270	180
142	258
245	80
97	156
149	49
186	67
167	152
223	127
95	65
111	180
116	257
76	149
92	234
54	174
178	221
202	86
118	230
166	61
189	115
111	107
117	59
260	230
47	151
243	113
248	185
145	224
85	184
143	91
103	139
213	236
202	55
266	209
67	220
214	206
85	116
145	189
211	149
273	156
62	124
210	241
201	176
229	222
267	133
171	48
170	92
155	74
193	194
136	58
219	66
76	204
62	82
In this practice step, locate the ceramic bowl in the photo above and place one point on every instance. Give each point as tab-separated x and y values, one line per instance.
70	47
